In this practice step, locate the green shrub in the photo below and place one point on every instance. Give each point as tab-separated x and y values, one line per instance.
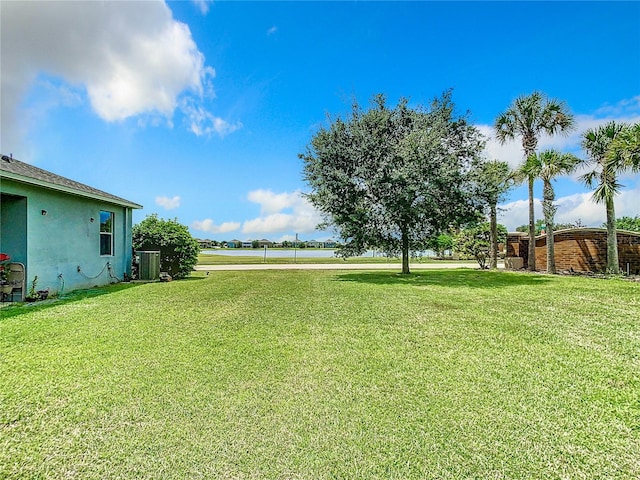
178	249
474	242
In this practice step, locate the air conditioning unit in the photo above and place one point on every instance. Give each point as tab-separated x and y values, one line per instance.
148	265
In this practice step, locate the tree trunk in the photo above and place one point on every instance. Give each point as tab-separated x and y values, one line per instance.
405	253
549	213
493	252
612	238
532	229
551	255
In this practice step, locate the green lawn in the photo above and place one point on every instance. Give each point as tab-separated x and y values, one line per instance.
317	375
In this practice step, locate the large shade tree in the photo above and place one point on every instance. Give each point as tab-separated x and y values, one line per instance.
528	117
608	158
391	178
548	165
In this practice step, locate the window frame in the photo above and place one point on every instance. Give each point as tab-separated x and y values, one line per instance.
107	215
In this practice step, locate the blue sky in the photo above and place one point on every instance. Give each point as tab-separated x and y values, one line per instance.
198	110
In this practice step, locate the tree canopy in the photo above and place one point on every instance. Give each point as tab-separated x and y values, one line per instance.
625	148
495	179
441	243
528	117
391	178
607	164
630	224
548	165
541	226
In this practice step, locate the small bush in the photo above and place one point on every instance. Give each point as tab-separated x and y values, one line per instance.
474	242
178	249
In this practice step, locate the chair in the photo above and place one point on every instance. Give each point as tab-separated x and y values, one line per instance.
15	277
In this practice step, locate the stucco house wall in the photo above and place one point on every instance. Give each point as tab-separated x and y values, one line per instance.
52	226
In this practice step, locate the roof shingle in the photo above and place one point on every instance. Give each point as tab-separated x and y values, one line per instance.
20	171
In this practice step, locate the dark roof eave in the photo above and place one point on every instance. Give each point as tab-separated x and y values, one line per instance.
95	194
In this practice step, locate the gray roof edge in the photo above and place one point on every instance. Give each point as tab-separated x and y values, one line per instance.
25	173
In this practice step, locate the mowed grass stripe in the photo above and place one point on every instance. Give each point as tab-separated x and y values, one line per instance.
294	374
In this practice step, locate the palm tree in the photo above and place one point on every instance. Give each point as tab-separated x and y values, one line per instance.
608	160
528	117
496	179
626	147
547	165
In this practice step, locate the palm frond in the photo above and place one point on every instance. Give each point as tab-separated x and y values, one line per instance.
504	127
532	166
590	178
556	118
600	145
624	151
529	115
606	190
597	141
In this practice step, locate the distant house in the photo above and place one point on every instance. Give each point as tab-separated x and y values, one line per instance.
67	234
247	244
314	244
234	244
330	244
265	243
206	243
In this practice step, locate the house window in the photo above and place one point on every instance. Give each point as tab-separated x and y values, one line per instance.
106	233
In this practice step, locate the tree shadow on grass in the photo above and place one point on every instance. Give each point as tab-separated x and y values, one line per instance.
16	309
74	296
466	278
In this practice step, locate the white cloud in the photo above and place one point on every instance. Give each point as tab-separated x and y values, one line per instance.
582	206
624	108
627	110
168	203
209	225
287	238
202	5
510	152
516	213
571	208
281	212
275	202
279	222
272	30
131	58
203	122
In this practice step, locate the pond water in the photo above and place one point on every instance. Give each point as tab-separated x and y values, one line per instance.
285	252
281	252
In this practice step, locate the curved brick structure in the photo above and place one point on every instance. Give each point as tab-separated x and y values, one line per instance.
578	250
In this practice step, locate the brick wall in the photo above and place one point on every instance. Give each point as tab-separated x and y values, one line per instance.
580	250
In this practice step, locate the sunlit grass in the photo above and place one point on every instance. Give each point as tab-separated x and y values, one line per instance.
312	375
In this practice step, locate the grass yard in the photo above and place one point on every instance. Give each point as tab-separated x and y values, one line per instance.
324	374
